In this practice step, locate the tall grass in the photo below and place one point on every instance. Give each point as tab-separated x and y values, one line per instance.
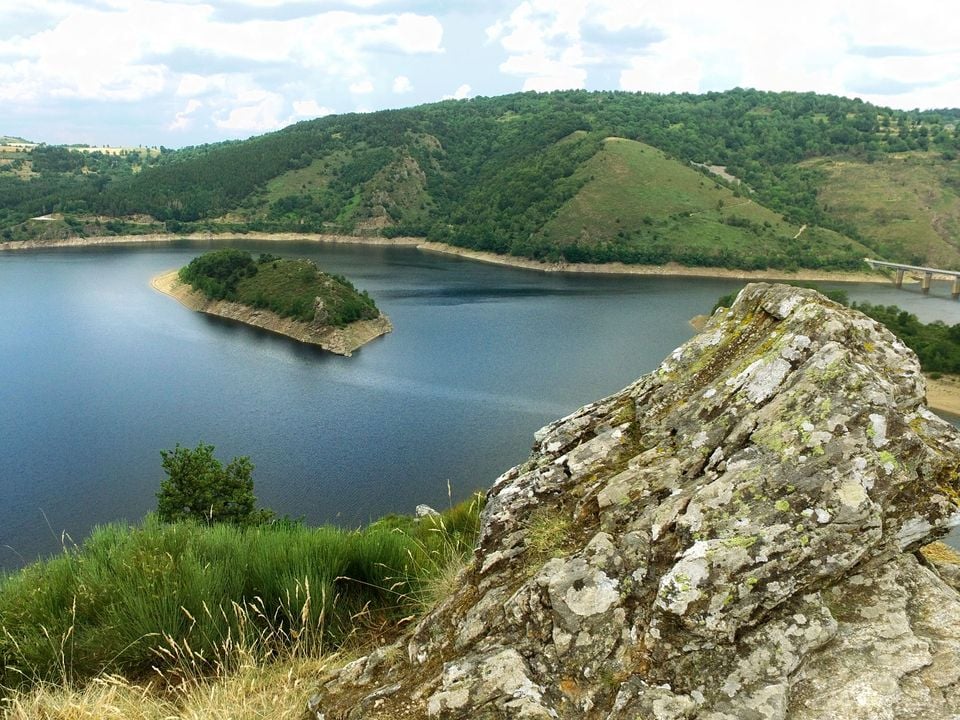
175	601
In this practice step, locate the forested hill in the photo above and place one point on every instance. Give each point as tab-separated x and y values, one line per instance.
740	178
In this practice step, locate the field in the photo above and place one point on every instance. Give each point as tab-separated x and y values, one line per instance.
310	180
907	206
106	150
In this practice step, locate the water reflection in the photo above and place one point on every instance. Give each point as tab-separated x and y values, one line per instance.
100	373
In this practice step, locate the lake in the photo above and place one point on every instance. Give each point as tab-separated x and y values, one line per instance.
99	373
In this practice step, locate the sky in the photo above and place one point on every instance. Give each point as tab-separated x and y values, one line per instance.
185	72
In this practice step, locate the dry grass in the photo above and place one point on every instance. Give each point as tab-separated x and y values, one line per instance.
941	554
277	690
270	675
548	536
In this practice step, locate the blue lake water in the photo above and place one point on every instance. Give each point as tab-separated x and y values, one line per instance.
99	373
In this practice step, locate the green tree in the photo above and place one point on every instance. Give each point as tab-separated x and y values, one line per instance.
198	487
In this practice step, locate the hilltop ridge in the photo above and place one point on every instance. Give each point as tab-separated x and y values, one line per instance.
551	177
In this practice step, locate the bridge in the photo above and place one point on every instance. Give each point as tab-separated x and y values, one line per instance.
925	275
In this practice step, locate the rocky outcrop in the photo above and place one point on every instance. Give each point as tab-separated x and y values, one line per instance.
732	537
339	340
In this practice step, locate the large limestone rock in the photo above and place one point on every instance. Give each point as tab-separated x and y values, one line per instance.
730	538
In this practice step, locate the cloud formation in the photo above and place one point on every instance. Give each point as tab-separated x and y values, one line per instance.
886	52
129	51
188	71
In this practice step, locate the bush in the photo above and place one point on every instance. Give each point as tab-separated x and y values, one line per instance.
216	274
199	488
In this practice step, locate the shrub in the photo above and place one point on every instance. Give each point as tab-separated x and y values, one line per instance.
199	488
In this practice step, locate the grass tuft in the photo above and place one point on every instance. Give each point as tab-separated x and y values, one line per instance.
177	604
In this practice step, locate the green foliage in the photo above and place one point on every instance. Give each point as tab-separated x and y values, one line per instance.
287	287
502	174
132	600
55	159
198	487
216	274
936	344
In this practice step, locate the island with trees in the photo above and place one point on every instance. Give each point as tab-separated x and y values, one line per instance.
287	296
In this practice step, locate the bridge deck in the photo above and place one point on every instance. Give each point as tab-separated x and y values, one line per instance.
927	277
912	268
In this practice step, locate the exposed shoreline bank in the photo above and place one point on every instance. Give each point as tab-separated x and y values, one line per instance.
342	341
943	394
667	270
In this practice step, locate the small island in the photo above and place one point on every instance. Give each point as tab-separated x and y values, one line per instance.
286	296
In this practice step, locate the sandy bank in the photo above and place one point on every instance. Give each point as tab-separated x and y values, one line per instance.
944	394
699	322
342	341
160	238
669	269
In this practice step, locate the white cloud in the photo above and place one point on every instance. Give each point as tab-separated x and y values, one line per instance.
182	119
402	84
663	72
461	93
118	52
255	111
912	55
361	87
542	38
192	85
308	109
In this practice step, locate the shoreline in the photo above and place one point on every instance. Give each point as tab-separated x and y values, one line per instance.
616	268
341	341
943	394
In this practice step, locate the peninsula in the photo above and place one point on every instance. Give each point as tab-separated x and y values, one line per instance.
285	296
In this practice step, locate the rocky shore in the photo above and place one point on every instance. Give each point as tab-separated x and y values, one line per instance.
668	269
342	341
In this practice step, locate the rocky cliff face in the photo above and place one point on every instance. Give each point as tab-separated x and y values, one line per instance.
731	537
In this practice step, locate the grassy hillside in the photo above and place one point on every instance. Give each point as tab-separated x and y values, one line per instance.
905	205
521	174
637	204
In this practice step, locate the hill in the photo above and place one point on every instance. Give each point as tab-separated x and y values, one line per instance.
543	176
639	205
904	205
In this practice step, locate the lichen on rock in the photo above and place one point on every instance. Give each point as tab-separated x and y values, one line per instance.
734	538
